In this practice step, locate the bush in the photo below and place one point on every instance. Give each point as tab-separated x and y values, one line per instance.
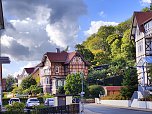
113	97
148	98
61	90
95	90
16	106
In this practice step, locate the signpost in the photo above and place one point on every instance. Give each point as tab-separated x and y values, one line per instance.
82	93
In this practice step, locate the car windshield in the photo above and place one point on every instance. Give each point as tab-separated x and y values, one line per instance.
35	100
14	99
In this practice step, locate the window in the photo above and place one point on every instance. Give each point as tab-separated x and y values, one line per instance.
47	80
80	61
56	69
60	83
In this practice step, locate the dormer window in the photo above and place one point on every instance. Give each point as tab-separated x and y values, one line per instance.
56	69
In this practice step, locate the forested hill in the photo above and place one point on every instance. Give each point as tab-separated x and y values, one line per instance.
111	44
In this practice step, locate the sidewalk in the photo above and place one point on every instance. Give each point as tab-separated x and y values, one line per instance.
129	108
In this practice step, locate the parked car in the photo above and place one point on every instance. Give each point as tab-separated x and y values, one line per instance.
12	100
32	102
49	102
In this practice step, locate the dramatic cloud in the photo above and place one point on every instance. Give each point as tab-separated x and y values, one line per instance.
95	25
145	2
34	27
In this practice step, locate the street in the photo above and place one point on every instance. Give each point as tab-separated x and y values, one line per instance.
101	109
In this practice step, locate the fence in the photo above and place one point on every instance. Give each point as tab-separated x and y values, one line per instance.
68	109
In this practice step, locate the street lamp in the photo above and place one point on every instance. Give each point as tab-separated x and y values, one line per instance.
82	93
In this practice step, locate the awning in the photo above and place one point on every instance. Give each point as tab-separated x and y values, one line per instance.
143	60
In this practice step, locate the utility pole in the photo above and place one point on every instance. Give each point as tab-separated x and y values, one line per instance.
82	93
3	60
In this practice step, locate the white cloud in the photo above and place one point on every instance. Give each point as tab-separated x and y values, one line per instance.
38	26
95	25
145	2
101	14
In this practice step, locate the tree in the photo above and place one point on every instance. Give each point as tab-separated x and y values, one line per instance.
73	84
97	77
10	80
61	90
27	82
95	90
130	83
86	53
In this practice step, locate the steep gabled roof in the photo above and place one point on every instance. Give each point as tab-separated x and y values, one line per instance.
140	18
63	56
57	57
29	70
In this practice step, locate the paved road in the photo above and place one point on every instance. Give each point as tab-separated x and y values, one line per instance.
100	109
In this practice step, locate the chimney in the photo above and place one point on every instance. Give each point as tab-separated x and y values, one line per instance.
58	50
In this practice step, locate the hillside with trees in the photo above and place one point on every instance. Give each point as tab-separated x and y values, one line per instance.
111	45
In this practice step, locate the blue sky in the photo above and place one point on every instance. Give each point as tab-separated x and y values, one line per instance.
29	35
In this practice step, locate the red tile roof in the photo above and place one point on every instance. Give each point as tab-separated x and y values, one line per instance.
142	18
29	70
57	57
114	88
63	56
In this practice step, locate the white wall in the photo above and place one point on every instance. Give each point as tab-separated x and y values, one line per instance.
68	100
126	103
123	103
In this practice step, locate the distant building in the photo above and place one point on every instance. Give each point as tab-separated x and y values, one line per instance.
55	66
53	69
26	72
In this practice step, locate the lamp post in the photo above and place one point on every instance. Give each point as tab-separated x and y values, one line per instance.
82	93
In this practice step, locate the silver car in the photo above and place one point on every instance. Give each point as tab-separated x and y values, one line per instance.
32	102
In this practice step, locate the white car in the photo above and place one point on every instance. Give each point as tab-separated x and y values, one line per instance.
49	102
32	102
12	100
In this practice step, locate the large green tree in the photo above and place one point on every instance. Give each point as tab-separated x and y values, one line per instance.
86	53
27	82
73	84
130	83
10	80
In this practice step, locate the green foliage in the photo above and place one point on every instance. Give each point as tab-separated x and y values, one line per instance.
95	90
27	82
73	84
122	27
16	106
113	97
47	95
17	90
96	77
61	90
86	53
10	80
145	9
35	89
130	83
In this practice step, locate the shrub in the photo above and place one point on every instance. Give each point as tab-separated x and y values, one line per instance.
16	106
148	98
95	90
113	97
61	90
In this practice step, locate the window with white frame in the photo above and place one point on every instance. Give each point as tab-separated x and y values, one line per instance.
140	46
56	69
47	80
60	83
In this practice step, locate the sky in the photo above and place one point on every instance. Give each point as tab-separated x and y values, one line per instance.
34	27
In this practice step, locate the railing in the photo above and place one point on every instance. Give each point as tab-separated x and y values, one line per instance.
68	109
